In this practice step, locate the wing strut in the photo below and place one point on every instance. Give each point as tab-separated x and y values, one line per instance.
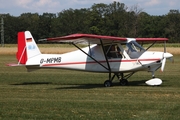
90	56
109	68
151	45
164	46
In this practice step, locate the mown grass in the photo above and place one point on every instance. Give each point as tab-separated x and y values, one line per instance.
63	94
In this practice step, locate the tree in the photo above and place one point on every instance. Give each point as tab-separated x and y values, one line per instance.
72	21
115	19
45	25
96	18
11	28
134	18
173	26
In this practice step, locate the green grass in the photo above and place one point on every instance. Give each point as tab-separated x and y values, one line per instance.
62	94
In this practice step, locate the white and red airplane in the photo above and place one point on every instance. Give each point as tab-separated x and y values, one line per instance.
113	55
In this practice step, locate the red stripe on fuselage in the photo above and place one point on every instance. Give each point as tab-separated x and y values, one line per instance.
92	62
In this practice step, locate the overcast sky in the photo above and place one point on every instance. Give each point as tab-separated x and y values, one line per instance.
17	7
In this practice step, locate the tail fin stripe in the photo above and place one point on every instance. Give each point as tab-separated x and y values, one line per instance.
22	55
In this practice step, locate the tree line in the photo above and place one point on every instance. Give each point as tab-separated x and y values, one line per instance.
114	19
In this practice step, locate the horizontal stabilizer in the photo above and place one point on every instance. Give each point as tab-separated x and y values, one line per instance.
14	64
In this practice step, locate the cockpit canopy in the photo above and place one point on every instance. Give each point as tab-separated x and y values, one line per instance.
133	46
117	50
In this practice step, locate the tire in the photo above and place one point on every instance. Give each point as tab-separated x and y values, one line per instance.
107	83
123	82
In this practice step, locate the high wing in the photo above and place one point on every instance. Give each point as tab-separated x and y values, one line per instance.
95	39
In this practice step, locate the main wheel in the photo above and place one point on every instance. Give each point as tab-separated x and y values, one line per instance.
107	83
123	82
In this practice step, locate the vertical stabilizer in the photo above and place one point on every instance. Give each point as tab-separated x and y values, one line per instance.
27	47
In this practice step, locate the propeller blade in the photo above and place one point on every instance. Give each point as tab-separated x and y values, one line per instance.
163	64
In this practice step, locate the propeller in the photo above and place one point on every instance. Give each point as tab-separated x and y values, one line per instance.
163	64
164	59
166	56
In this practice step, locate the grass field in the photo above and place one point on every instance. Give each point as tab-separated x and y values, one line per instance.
62	94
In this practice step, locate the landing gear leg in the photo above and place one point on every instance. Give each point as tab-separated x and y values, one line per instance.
108	83
122	80
153	76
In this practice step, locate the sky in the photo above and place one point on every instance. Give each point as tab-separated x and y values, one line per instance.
17	7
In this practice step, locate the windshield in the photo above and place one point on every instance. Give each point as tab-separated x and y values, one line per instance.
133	46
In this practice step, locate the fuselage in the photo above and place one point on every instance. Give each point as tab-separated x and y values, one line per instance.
77	60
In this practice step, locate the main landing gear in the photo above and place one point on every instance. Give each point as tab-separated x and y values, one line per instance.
122	79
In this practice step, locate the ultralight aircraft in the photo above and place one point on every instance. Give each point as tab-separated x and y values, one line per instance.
118	56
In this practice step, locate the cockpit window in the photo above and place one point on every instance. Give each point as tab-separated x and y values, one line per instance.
133	46
113	51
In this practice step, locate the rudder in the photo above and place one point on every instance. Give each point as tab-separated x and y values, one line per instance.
21	54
